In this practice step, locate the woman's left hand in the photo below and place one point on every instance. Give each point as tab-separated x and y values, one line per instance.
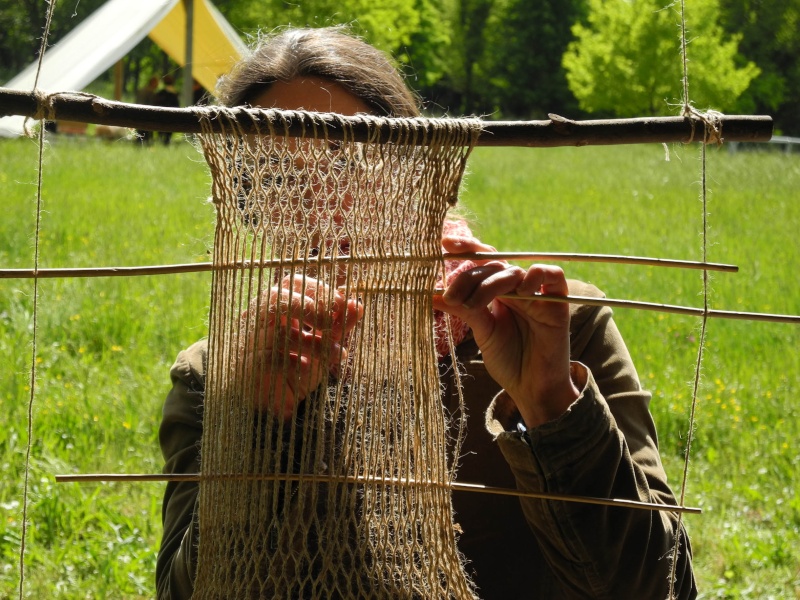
524	342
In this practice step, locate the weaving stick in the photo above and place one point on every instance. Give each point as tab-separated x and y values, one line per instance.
657	307
208	266
455	486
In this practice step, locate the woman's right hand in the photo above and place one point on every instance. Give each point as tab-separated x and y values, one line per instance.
295	342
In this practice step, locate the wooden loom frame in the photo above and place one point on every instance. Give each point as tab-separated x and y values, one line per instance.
552	133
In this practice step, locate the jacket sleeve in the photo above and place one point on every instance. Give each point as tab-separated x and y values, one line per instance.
604	446
179	436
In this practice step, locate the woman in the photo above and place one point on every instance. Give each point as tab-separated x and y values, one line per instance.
564	409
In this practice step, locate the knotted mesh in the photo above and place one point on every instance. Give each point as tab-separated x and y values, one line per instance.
325	464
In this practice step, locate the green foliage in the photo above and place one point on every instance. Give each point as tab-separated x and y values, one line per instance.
626	60
515	58
470	21
769	37
523	68
387	25
427	52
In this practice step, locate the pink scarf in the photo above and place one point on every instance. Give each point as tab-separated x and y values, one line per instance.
458	328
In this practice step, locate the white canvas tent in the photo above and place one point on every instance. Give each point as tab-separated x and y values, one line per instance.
115	29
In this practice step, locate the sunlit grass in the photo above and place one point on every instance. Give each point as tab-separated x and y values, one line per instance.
105	344
103	354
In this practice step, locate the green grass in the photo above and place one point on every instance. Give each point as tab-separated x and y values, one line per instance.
105	345
104	351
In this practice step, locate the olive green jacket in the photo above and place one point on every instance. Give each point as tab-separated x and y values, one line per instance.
604	446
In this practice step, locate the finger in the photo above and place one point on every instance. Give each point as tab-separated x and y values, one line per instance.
329	299
477	287
344	321
314	288
457	244
276	346
545	279
284	305
337	360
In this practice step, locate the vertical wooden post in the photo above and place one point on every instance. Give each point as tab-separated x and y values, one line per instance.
118	80
188	79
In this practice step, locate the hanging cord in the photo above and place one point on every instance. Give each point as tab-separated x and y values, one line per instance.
684	62
711	134
697	375
32	396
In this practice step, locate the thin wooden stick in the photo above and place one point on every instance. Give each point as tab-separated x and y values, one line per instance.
207	266
139	271
634	304
594	258
654	306
454	486
557	131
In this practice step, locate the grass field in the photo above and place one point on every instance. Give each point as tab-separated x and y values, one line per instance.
105	345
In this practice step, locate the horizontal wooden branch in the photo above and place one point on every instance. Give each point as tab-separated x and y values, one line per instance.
557	131
454	486
202	267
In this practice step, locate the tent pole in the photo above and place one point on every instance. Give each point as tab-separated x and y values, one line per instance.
118	80
188	79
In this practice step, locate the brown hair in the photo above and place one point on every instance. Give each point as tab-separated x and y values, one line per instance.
359	68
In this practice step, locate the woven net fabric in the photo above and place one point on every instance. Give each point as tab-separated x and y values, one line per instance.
326	475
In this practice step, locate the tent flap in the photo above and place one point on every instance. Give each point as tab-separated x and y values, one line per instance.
113	30
214	50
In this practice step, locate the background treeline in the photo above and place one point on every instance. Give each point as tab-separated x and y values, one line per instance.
520	58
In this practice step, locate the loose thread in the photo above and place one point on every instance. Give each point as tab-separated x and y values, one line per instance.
711	120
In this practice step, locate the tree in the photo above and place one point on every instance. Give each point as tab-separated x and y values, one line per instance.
461	85
22	25
626	60
428	56
388	24
769	37
525	72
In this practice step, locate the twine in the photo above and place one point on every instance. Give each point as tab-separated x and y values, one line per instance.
45	109
712	132
712	124
35	310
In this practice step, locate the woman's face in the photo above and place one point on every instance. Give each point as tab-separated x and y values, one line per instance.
317	95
